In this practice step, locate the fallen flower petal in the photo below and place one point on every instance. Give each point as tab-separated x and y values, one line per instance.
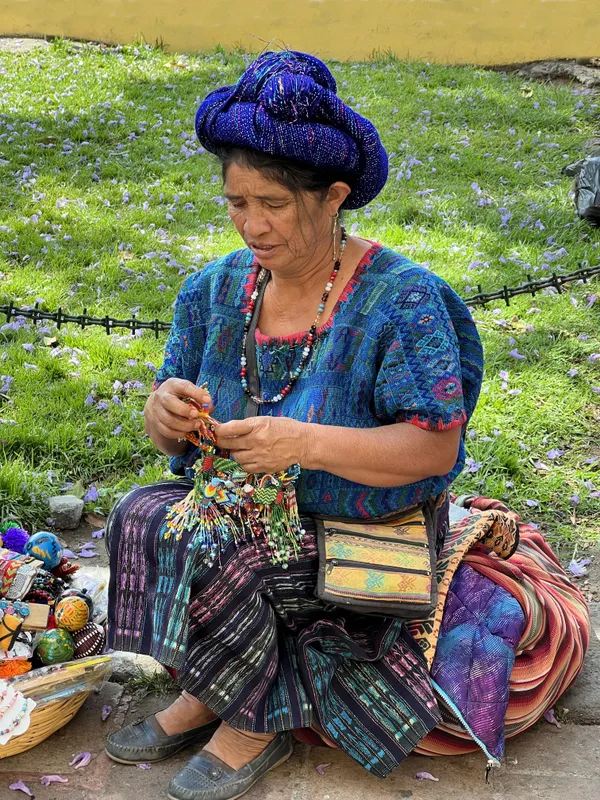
105	713
69	553
321	768
19	786
81	760
46	780
532	503
515	354
550	717
578	566
426	776
99	534
145	766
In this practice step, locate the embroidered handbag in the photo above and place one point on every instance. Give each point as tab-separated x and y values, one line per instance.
383	566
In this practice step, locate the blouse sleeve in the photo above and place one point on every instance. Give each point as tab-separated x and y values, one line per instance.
432	343
183	353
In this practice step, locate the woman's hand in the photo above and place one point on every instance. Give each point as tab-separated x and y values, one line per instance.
265	444
168	418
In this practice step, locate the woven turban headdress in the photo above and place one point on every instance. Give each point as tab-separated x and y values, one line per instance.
286	104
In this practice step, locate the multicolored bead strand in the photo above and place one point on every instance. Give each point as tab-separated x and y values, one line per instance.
310	337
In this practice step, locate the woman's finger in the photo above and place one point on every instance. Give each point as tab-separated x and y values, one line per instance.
174	405
188	389
172	422
233	442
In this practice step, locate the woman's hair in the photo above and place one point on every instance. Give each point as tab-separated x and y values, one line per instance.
296	177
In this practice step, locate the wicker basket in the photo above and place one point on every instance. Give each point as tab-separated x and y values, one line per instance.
44	722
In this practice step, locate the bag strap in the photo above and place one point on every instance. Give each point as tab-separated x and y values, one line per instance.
252	376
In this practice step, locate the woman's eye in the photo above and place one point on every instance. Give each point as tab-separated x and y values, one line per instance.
275	207
237	206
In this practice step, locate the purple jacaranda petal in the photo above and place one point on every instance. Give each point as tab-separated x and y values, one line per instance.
99	534
550	717
87	554
89	401
514	392
532	503
91	496
144	766
322	767
46	780
578	566
596	389
540	465
594	357
105	713
81	760
591	300
102	406
552	454
503	375
572	373
515	354
574	500
19	786
426	776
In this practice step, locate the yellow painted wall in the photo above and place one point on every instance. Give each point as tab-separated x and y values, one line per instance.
457	31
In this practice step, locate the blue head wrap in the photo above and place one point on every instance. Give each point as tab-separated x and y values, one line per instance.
285	104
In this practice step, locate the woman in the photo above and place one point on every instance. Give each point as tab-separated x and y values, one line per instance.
370	368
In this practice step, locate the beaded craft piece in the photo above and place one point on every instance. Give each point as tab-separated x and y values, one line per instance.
228	504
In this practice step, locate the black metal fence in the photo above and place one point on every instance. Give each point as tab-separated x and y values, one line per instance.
133	324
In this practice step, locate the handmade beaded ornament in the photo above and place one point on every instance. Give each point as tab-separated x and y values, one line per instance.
228	504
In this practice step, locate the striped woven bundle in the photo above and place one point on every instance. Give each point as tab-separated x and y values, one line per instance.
554	643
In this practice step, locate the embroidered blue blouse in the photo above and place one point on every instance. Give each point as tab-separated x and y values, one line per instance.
400	346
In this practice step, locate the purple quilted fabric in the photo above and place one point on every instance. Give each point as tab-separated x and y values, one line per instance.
480	632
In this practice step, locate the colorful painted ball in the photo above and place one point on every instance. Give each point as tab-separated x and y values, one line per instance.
55	647
72	613
79	593
46	547
89	641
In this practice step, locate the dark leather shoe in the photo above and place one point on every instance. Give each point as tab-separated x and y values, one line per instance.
206	777
146	742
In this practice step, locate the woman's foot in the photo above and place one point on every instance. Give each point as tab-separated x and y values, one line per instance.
184	714
237	748
187	721
208	776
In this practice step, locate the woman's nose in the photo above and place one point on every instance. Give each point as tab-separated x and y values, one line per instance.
255	224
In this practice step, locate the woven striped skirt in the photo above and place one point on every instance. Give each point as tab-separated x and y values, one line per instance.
262	651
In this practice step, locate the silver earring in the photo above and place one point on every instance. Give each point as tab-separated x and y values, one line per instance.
335	225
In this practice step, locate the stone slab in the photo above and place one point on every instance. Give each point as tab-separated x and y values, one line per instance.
543	764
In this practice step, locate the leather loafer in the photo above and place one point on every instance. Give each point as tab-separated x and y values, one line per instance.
146	742
206	777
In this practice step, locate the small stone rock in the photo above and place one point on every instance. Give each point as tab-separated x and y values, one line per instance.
66	511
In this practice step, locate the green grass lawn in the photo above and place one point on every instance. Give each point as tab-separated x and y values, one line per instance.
107	203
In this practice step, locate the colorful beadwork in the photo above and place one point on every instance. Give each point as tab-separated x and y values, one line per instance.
228	504
310	337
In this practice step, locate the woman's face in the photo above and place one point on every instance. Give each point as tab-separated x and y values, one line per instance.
284	231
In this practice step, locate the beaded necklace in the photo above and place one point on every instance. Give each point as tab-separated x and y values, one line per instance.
310	337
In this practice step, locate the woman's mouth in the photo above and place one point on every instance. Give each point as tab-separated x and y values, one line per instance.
263	250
